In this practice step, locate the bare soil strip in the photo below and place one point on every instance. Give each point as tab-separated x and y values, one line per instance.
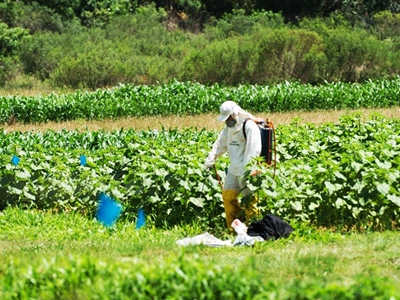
207	121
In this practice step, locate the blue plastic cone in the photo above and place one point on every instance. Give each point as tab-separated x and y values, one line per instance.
15	160
108	210
141	220
83	160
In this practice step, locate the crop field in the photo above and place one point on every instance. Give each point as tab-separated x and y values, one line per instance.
336	181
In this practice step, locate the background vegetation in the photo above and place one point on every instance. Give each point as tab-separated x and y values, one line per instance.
95	44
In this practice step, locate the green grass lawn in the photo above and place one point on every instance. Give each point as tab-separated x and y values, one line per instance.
67	256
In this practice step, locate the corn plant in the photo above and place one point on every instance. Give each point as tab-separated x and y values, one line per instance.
186	98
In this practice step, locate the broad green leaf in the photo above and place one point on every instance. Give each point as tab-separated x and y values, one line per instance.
394	198
340	175
24	174
166	185
197	201
270	193
185	184
358	186
117	193
383	188
332	187
15	191
29	195
356	166
296	205
154	199
67	187
386	165
356	211
339	202
161	172
394	175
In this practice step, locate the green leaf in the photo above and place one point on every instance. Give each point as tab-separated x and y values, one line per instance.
161	172
29	195
339	202
166	185
394	198
332	187
272	194
115	191
340	175
383	188
386	165
185	184
24	174
68	188
296	205
356	166
197	201
393	175
15	190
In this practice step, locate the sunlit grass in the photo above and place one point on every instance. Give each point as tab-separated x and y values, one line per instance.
75	256
207	121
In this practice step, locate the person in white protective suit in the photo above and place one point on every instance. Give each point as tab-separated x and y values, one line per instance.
241	152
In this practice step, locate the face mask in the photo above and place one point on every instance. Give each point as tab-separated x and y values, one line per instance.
230	123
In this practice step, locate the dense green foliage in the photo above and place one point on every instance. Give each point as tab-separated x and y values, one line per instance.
159	171
98	44
345	175
91	12
339	175
185	98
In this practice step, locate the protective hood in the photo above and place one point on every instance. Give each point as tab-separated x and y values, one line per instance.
230	108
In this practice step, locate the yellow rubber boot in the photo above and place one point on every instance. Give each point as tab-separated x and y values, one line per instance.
231	205
251	210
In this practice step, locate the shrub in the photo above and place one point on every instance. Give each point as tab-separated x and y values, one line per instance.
286	54
219	62
238	22
10	40
92	69
266	56
387	25
354	55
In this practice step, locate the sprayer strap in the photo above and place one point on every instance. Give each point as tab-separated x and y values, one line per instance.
244	130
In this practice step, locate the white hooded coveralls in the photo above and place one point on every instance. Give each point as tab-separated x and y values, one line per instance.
241	150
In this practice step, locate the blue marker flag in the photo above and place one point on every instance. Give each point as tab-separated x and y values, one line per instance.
15	160
141	219
83	160
108	211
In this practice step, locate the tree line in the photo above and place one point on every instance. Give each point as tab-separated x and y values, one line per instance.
93	44
90	12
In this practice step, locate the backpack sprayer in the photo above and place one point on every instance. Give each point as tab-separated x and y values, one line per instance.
268	142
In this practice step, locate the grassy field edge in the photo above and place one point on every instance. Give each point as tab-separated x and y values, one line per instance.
46	255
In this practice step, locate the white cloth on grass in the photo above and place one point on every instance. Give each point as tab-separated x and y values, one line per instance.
204	239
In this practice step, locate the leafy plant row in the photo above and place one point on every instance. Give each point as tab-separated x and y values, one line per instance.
186	98
341	175
159	171
345	175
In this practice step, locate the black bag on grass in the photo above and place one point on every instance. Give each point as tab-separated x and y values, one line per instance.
270	227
